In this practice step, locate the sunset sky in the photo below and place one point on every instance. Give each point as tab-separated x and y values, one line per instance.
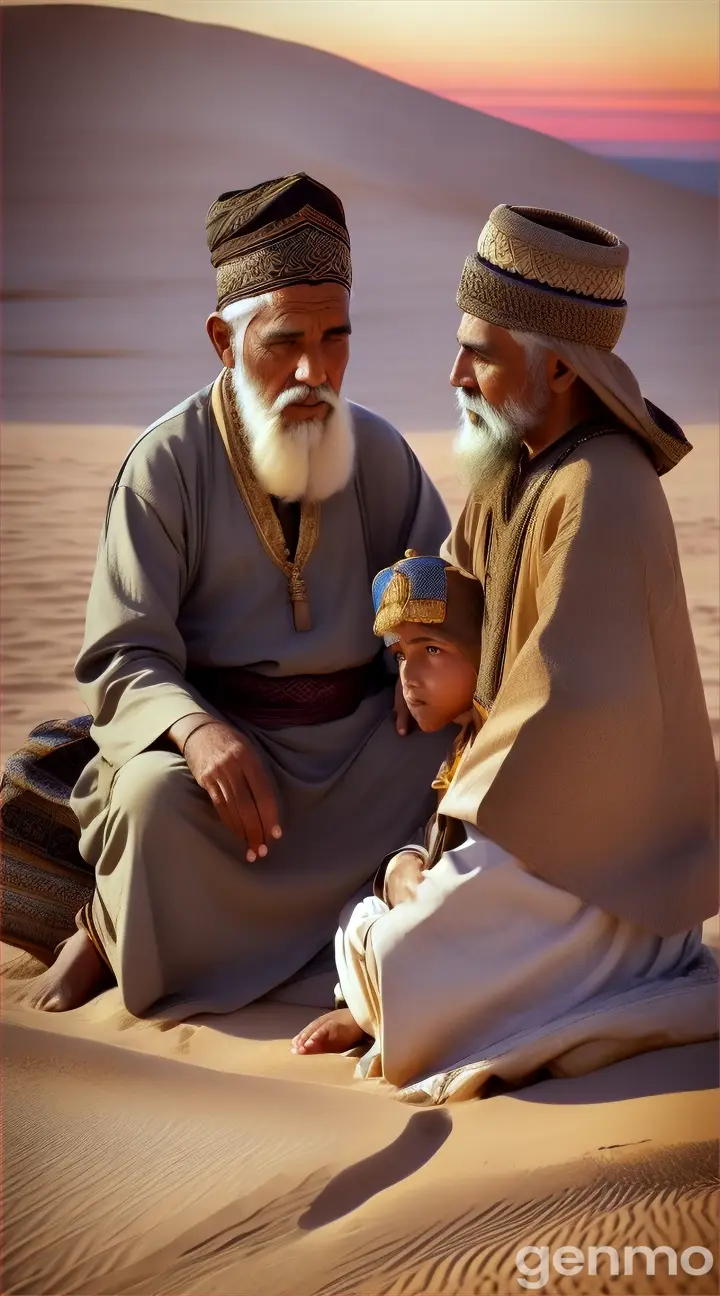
633	77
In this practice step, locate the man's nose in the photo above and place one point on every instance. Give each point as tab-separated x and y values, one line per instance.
461	374
311	368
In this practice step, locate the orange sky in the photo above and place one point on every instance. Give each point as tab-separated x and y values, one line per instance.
619	75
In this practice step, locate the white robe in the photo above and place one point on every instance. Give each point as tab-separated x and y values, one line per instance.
493	971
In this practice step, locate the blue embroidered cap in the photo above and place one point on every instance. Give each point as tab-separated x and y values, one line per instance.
414	589
427	591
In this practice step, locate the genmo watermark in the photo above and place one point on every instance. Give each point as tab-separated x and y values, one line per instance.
535	1264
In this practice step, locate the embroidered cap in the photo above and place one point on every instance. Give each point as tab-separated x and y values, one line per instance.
538	271
425	590
286	231
545	272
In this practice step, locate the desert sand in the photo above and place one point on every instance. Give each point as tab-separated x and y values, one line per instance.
203	1157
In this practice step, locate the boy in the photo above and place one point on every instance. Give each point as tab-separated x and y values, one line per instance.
430	616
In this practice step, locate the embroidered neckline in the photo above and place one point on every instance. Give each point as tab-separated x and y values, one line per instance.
262	514
504	555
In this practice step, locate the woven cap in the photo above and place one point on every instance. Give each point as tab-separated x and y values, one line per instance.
426	591
283	232
545	272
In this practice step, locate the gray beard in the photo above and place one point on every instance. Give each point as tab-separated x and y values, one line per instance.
490	437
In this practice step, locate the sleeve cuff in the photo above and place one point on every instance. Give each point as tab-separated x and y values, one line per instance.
148	718
180	731
379	879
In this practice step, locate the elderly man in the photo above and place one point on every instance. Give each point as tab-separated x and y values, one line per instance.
250	772
564	930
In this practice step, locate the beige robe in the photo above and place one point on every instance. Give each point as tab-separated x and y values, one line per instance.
595	766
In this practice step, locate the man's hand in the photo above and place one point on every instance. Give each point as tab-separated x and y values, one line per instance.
403	720
403	876
226	765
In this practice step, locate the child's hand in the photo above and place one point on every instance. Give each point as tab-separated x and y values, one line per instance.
403	876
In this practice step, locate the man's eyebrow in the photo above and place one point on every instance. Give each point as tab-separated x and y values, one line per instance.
295	335
476	347
282	335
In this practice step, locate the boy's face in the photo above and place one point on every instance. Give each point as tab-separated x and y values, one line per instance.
438	681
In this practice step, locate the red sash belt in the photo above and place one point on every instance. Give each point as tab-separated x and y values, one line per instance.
286	701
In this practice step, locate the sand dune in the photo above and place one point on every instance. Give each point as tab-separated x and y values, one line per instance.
205	1158
120	130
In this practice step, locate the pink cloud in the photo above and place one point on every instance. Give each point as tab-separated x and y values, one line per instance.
684	124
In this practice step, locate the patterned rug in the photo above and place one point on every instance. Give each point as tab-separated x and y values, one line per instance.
45	880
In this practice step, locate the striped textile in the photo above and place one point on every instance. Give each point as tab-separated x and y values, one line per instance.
44	879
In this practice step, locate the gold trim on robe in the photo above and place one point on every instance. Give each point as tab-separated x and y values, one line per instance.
260	507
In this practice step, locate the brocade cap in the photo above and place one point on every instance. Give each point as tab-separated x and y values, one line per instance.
545	272
284	232
427	591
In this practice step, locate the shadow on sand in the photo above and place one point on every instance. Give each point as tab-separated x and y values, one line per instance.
421	1138
686	1069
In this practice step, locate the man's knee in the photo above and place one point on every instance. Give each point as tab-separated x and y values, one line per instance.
152	784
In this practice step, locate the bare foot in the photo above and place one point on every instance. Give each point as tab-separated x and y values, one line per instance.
76	975
334	1032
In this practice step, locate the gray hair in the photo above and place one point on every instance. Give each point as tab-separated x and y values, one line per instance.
238	315
536	345
244	309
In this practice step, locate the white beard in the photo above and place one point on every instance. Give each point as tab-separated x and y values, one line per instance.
309	460
490	437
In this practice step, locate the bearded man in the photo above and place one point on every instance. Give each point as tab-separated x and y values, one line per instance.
590	689
557	922
250	773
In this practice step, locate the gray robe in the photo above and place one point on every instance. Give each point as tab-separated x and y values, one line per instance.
182	578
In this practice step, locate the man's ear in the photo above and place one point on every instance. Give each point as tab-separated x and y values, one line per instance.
220	336
560	376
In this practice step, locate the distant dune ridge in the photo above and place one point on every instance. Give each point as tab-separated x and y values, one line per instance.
122	127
